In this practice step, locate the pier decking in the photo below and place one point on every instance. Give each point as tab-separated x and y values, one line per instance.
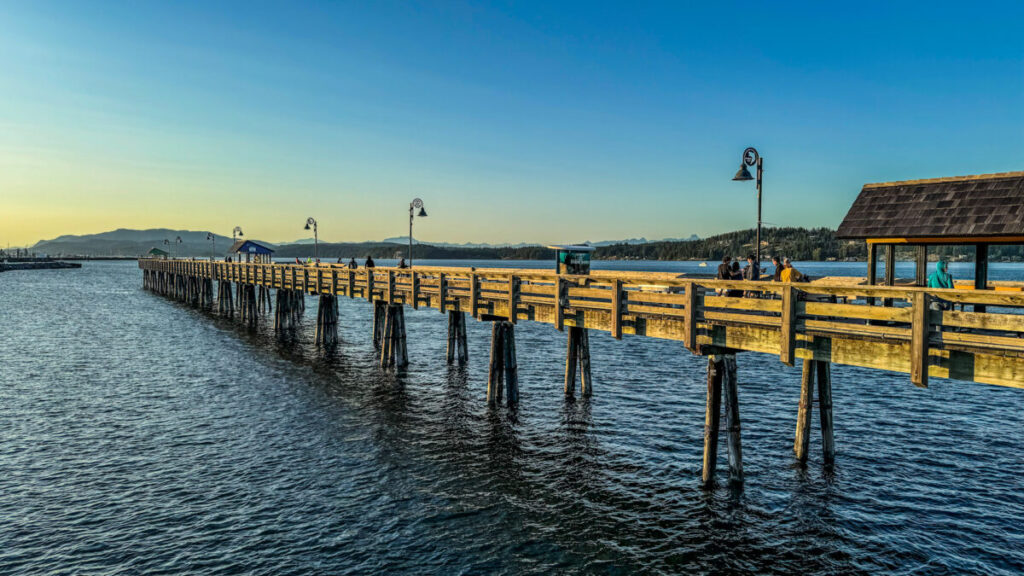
836	324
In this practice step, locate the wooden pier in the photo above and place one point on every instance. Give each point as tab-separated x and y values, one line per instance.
971	335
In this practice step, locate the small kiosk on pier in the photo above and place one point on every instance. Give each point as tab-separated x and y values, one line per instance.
572	258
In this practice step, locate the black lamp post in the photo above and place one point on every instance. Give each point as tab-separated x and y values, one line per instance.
213	244
177	241
167	244
416	203
752	158
236	232
316	241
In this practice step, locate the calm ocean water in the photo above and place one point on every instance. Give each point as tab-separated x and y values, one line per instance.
140	436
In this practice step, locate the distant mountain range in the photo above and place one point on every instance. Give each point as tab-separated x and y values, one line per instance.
125	242
404	240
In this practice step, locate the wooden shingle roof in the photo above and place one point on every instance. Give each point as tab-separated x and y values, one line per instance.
961	208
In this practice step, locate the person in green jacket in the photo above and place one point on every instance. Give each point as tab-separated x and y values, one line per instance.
941	278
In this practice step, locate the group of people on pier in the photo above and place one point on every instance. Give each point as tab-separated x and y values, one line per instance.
784	271
352	264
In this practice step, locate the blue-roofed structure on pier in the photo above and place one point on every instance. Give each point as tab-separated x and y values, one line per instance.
252	251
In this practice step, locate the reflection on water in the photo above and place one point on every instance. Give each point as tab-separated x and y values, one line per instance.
143	436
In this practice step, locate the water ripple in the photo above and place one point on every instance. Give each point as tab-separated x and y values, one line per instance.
140	436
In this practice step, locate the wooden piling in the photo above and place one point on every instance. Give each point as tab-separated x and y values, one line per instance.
457	349
496	366
394	350
326	332
288	312
379	310
503	365
803	418
401	345
571	359
387	357
510	363
828	445
712	416
225	300
247	306
730	395
462	341
577	355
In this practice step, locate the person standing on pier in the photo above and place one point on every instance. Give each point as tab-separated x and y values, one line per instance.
735	274
724	272
402	264
369	262
753	270
752	273
790	274
351	263
777	274
941	278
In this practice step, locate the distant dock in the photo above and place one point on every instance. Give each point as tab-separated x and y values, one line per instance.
36	264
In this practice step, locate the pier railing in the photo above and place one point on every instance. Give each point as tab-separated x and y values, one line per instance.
973	335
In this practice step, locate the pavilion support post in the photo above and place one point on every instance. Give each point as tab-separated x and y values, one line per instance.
890	270
503	368
577	355
921	265
803	418
872	271
980	271
828	445
872	264
712	417
457	349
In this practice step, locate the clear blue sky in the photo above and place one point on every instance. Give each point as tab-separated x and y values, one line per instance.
550	121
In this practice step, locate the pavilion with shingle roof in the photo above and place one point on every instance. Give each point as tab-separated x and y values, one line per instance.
958	211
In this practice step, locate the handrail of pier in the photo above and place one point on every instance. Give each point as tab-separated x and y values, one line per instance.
925	332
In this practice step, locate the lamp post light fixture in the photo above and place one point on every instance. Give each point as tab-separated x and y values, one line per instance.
236	232
752	158
316	240
167	245
416	203
177	241
213	244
